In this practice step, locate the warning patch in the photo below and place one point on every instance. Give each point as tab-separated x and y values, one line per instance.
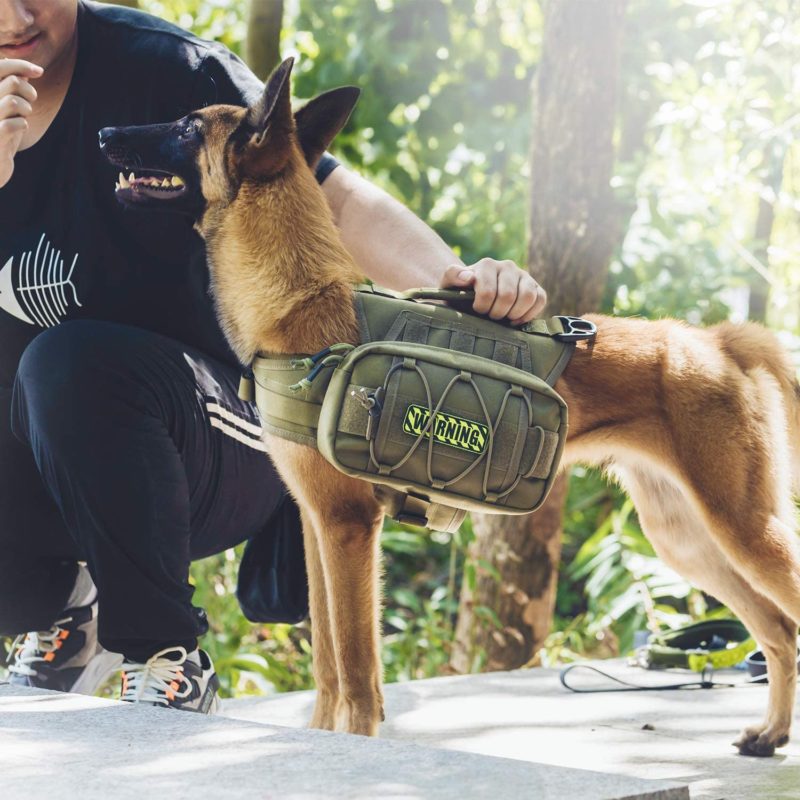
447	429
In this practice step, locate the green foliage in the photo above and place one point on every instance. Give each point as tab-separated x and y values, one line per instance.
421	579
250	659
614	585
222	20
719	84
422	584
444	115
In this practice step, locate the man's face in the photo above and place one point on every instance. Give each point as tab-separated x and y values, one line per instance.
40	31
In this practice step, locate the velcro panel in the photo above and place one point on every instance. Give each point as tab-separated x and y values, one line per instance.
463	341
505	353
416	330
539	453
353	416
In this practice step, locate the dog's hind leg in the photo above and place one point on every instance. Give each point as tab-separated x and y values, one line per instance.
684	542
768	602
326	675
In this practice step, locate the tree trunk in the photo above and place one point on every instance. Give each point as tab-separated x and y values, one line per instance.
759	286
129	3
575	226
263	43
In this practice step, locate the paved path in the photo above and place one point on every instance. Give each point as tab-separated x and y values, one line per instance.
59	747
528	716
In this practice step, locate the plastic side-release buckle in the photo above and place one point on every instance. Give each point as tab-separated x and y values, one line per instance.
575	329
247	386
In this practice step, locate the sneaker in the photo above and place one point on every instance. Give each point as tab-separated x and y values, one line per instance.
173	678
66	658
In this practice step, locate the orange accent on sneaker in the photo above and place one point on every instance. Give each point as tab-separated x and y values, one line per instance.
170	695
49	656
124	682
63	634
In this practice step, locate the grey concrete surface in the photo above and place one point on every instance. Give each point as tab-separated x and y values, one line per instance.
527	715
58	747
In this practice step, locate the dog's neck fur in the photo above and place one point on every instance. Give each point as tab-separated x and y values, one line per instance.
282	277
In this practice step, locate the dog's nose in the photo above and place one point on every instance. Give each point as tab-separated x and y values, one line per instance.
107	134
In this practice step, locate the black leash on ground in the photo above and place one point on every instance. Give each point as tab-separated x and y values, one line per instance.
706	682
701	648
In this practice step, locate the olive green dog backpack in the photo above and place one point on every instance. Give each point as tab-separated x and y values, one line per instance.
446	411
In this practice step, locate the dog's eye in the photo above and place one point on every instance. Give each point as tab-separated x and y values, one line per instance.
189	129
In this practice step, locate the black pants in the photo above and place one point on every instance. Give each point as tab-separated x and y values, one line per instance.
133	453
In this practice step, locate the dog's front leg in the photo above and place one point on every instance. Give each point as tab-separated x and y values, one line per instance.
326	674
345	521
349	538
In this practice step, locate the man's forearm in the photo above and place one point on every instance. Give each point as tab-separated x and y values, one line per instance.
399	251
393	247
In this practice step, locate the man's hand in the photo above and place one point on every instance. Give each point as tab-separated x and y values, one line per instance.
502	289
16	103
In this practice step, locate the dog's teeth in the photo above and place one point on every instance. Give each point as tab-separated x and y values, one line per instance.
176	181
123	181
165	183
131	177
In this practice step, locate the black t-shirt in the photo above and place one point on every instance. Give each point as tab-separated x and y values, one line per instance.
68	249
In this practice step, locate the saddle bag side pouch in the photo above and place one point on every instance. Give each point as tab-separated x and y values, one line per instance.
448	426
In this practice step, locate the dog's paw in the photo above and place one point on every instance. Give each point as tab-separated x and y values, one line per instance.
760	741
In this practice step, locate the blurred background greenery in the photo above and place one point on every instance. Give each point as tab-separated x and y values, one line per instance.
707	168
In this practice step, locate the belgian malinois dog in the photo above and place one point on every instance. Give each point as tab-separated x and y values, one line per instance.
701	426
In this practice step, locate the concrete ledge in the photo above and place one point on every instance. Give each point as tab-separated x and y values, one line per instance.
70	746
528	715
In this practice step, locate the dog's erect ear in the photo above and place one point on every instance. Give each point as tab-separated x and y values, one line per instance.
274	106
319	120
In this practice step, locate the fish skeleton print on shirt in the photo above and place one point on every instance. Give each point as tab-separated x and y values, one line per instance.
68	250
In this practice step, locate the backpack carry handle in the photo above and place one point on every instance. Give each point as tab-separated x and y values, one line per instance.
459	299
447	295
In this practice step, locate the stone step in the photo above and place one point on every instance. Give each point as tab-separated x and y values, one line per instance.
527	715
55	745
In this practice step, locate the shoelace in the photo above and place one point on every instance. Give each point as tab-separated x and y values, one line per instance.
38	646
158	680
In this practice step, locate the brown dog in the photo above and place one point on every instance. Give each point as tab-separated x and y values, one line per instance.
700	426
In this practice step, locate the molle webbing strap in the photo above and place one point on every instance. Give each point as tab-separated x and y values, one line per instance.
462	341
554	350
289	408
